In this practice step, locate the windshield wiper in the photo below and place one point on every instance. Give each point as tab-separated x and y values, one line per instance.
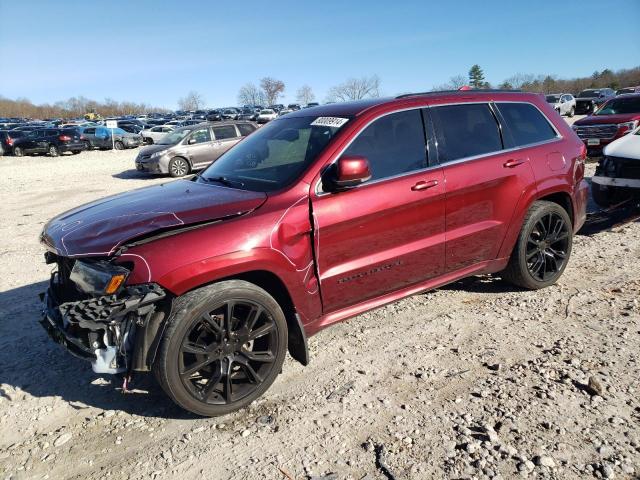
223	180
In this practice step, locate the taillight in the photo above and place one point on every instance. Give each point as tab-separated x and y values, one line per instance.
64	138
583	152
9	141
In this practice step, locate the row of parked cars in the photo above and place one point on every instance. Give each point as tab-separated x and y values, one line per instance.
587	100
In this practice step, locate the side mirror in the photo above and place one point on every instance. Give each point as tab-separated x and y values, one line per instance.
191	141
350	171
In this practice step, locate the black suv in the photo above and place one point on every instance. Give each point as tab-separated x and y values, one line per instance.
7	137
53	141
590	99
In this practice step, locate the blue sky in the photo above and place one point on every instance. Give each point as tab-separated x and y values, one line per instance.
156	51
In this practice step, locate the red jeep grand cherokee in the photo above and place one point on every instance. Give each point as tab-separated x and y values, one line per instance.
616	118
320	215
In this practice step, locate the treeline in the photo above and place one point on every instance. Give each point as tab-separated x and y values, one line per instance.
629	77
71	108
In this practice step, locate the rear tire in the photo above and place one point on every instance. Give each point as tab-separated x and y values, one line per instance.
543	247
119	146
222	348
76	152
18	152
53	151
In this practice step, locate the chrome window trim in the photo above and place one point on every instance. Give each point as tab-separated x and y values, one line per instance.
319	193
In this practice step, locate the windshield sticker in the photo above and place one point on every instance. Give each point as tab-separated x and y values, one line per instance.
335	122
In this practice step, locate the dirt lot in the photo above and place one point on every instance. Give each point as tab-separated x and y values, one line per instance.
475	380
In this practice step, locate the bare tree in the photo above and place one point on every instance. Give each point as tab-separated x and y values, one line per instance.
454	83
193	101
305	95
250	94
272	89
355	89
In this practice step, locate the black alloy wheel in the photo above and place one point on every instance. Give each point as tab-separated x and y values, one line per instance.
228	351
547	247
223	347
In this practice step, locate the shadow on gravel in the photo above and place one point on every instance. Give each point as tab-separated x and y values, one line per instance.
134	174
33	363
482	284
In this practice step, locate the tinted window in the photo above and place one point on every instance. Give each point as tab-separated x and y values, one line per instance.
245	129
89	131
200	136
465	131
620	106
393	144
526	123
51	132
224	132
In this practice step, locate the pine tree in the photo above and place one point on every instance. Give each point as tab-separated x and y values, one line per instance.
476	77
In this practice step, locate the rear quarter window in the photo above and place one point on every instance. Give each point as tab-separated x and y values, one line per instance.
245	129
526	123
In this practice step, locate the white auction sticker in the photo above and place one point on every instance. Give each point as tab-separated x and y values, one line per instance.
335	122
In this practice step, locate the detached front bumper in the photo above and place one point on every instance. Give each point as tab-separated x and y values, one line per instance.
100	329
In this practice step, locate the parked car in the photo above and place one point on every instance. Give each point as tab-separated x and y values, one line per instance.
294	106
7	137
153	134
563	103
191	148
100	137
53	141
590	99
308	221
622	91
266	115
131	128
276	108
312	104
614	119
230	114
247	114
214	116
284	112
617	175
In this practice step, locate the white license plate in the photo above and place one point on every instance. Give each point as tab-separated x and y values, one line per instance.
593	141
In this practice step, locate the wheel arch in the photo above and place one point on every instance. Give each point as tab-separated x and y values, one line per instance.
184	157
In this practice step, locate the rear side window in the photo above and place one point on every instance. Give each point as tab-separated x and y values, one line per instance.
526	123
90	131
465	131
245	129
393	144
224	132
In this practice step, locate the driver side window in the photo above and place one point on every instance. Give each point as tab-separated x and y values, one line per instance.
393	145
200	136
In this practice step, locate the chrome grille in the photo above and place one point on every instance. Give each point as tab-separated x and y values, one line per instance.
597	131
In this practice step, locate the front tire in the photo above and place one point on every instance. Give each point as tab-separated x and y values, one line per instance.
178	167
119	146
572	112
223	347
543	247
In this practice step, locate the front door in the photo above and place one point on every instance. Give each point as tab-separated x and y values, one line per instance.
200	147
387	233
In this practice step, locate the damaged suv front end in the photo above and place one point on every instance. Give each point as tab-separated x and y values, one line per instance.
89	309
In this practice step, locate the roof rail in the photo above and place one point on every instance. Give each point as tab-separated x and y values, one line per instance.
439	92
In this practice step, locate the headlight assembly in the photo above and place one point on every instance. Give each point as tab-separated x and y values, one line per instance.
98	278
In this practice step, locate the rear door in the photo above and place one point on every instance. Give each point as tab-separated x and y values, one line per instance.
388	233
225	137
483	183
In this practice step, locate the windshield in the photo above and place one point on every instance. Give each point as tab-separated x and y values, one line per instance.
620	105
266	112
173	137
625	90
553	98
589	93
273	156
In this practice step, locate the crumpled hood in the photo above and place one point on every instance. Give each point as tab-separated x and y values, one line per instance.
625	147
100	227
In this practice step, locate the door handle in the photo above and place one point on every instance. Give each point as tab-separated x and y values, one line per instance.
423	185
512	163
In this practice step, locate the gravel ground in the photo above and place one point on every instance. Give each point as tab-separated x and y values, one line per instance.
475	380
